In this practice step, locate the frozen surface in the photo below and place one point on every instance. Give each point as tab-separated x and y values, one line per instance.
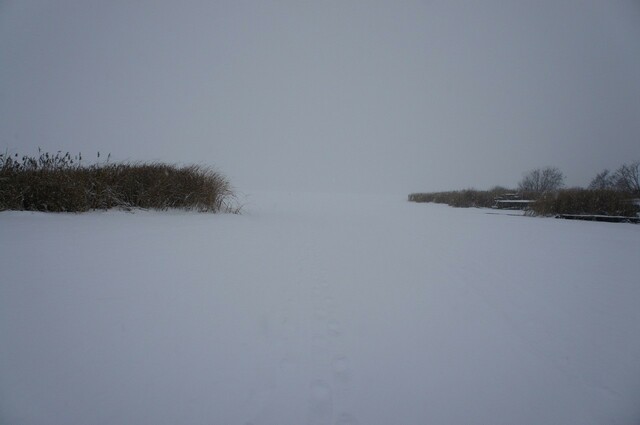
318	309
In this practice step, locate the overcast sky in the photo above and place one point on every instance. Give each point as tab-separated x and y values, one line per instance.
337	95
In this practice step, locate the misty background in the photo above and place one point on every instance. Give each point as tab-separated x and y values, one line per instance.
370	96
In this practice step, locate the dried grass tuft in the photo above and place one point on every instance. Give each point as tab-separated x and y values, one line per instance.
59	183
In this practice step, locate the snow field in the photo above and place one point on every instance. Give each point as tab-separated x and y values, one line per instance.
318	309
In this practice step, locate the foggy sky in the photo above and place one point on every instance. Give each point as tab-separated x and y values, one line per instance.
394	96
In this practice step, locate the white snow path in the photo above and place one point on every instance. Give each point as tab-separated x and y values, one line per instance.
318	309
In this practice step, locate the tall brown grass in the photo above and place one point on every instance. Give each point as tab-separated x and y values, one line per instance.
59	183
586	202
565	201
467	198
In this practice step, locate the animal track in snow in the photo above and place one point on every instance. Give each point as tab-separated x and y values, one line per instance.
319	341
321	314
333	327
288	364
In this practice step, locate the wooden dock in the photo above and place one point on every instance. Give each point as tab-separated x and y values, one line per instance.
604	218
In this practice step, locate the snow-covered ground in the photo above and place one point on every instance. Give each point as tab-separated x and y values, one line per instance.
318	309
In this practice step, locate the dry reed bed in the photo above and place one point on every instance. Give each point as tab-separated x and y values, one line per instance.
59	183
564	201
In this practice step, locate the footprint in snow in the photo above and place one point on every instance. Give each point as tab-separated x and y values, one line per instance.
319	342
333	327
288	364
347	419
340	367
320	403
321	314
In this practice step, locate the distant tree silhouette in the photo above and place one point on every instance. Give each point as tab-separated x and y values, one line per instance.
627	178
542	180
602	181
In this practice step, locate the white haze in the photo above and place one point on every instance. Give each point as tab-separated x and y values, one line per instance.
328	96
